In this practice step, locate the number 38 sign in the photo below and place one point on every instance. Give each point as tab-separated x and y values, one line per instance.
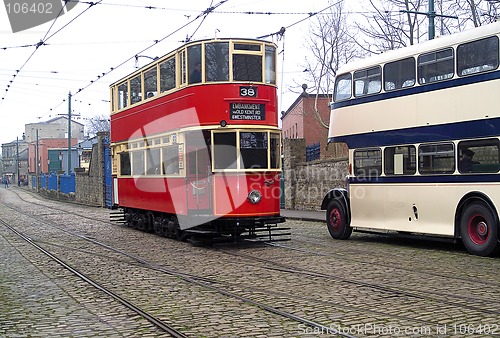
248	91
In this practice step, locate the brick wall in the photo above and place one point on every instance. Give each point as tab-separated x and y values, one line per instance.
306	183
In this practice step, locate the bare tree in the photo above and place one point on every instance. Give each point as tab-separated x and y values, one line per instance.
96	124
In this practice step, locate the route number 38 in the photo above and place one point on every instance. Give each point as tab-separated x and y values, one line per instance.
248	91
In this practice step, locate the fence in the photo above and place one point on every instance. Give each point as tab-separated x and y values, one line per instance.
313	152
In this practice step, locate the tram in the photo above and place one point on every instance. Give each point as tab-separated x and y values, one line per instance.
195	143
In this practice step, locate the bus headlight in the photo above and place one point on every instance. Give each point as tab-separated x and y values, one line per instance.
254	196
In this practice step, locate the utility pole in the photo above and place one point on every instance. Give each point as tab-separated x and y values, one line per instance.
431	14
37	166
17	162
69	133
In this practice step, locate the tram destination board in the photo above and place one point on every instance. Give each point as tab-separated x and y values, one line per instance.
247	111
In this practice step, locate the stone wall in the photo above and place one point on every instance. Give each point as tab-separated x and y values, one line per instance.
90	186
306	183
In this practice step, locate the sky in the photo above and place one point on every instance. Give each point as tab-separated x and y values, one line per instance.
82	47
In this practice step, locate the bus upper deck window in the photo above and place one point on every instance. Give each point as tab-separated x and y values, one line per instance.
399	74
343	86
477	56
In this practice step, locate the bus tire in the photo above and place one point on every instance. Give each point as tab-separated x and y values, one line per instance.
337	221
479	229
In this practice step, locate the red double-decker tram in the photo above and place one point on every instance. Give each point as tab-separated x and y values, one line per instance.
195	143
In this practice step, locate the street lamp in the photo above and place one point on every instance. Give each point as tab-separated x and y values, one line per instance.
80	151
48	166
60	160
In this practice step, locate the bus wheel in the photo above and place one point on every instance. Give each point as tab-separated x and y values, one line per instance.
479	229
336	220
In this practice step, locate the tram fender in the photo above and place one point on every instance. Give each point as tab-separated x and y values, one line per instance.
336	193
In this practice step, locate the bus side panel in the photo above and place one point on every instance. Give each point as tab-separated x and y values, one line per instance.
367	206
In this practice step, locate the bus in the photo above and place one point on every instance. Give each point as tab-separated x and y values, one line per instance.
422	125
195	143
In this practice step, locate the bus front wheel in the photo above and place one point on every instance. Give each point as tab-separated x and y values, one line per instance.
479	229
336	220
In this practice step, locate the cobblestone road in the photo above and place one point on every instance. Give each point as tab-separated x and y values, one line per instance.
368	286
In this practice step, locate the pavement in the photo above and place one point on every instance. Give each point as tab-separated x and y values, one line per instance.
305	215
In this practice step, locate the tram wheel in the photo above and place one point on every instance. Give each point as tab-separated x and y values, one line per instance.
336	220
479	229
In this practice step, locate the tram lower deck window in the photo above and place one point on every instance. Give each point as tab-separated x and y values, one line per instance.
253	149
225	150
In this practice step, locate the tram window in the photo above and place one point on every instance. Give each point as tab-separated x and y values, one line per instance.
194	58
270	65
436	158
138	162
135	89
125	168
224	150
400	160
247	46
275	151
435	66
343	84
247	67
253	150
217	61
367	162
367	81
170	160
477	56
122	95
150	83
183	65
153	161
167	75
479	156
399	74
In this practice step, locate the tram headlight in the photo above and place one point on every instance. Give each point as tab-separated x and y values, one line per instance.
254	196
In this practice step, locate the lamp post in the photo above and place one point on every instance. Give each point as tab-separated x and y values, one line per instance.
48	166
60	160
80	151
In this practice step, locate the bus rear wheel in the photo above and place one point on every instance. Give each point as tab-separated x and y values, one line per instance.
479	229
336	220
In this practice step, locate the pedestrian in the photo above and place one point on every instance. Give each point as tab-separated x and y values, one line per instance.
6	182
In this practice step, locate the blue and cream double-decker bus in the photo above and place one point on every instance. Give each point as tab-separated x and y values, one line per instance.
422	125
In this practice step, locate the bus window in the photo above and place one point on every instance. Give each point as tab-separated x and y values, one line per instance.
167	75
224	150
435	66
477	56
194	59
135	89
247	67
125	168
367	81
436	158
253	150
217	61
399	74
343	84
153	161
122	95
270	65
367	162
138	162
479	156
150	84
400	160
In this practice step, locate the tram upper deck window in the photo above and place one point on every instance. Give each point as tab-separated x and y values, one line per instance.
367	81
253	150
194	59
247	46
270	65
150	82
167	75
224	150
477	56
436	66
343	85
399	74
122	95
247	67
217	61
135	89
